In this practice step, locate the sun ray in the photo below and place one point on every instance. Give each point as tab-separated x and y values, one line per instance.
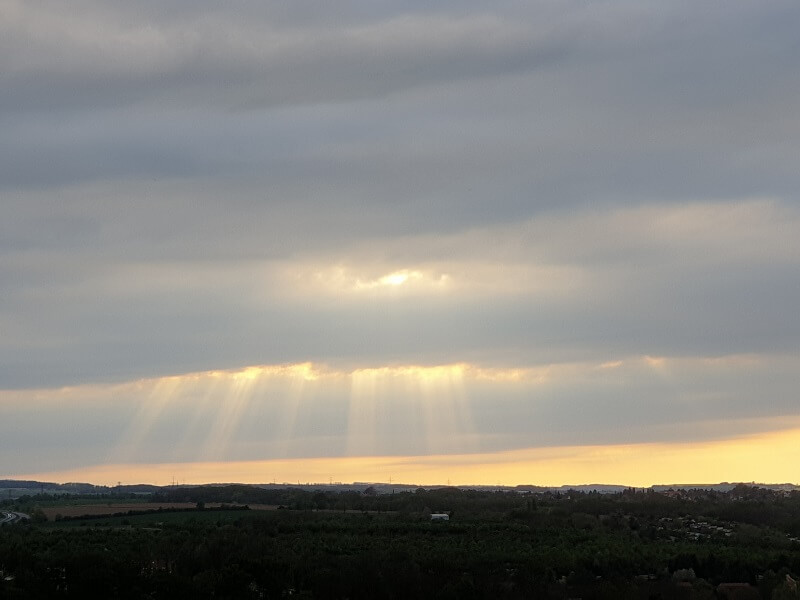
199	416
158	394
362	425
425	405
286	411
294	384
232	404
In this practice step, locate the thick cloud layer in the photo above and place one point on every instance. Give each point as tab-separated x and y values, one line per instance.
188	188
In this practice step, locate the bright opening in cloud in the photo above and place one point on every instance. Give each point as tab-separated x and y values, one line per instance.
398	278
404	277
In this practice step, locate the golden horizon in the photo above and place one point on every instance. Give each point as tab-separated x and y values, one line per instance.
742	459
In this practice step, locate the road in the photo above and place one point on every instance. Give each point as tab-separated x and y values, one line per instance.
9	518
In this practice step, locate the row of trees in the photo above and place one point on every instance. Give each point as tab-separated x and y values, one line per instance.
497	545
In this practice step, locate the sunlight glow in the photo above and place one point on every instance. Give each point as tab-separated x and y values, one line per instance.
306	370
351	280
344	280
750	458
394	279
212	405
426	404
615	364
158	397
435	412
657	362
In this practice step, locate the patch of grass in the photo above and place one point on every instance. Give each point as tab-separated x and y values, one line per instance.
156	519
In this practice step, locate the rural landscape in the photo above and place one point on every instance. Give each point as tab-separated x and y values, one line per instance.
366	300
380	541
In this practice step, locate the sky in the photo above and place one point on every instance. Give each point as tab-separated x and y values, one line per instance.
542	242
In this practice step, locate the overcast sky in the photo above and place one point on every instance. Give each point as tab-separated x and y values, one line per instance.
314	230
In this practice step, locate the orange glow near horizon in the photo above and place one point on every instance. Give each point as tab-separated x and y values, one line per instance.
765	458
379	411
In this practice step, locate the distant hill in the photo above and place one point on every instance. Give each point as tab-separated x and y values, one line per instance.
13	488
725	486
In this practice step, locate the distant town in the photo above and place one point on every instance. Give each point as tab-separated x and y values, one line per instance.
378	540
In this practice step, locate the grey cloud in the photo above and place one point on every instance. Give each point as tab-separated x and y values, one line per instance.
700	279
602	180
574	404
76	332
240	60
651	102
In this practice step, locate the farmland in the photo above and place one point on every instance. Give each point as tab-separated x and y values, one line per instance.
58	511
187	543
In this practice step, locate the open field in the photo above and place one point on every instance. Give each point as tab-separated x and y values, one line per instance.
80	510
156	520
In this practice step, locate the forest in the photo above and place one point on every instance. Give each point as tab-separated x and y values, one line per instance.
241	541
